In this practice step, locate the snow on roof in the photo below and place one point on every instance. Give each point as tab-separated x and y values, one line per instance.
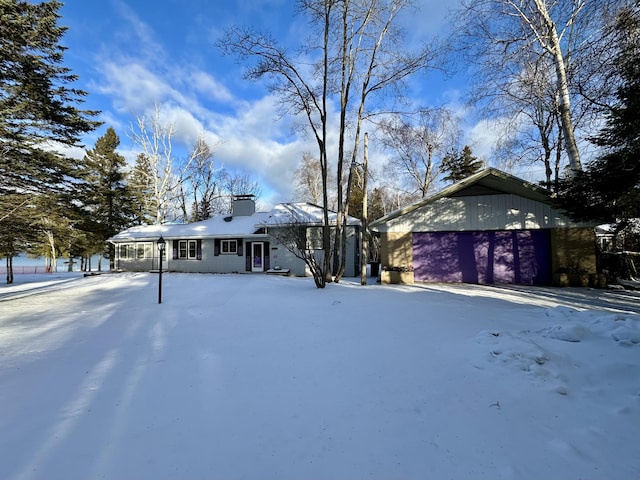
220	226
308	213
230	226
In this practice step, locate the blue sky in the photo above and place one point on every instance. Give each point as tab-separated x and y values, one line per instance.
133	54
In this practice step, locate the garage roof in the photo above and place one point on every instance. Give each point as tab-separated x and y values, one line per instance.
486	182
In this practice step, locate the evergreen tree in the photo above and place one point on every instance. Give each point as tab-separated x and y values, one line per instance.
107	200
460	165
17	230
36	101
356	195
608	190
140	181
37	104
376	204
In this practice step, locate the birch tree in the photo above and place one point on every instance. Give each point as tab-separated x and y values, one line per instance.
353	56
508	40
608	190
154	138
373	61
417	148
302	90
308	181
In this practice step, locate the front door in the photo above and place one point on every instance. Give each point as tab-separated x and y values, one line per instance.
257	257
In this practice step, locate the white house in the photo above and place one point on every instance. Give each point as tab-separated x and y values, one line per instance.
243	241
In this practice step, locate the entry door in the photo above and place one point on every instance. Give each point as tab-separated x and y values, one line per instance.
257	257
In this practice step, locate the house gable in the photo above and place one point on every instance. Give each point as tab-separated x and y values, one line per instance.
478	212
488	200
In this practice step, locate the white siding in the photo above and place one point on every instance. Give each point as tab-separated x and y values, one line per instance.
483	212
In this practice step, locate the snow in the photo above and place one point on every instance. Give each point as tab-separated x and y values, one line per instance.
267	377
232	226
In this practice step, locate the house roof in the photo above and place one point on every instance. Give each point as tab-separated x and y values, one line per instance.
220	226
489	181
231	226
294	213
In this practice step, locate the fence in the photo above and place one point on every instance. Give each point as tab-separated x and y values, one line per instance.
22	269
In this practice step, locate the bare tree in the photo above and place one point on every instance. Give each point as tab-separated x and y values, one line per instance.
301	240
372	59
308	182
302	90
154	138
353	53
198	186
236	182
510	40
418	148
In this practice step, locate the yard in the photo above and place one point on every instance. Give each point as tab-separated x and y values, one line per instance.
260	377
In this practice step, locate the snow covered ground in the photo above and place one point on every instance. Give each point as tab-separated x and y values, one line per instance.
260	377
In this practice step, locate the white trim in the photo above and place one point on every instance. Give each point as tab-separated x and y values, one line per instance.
257	262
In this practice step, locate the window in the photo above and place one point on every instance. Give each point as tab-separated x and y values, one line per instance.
229	246
141	251
124	248
188	249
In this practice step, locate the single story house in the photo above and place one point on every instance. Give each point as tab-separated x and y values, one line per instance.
243	241
489	228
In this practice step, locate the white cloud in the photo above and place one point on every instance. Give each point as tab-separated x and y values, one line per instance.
483	136
137	33
206	84
131	87
245	134
250	136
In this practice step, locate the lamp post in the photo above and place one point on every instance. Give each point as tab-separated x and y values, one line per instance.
161	245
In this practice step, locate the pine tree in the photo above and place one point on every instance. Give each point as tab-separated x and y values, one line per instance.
609	188
36	100
107	199
140	181
356	195
37	104
460	165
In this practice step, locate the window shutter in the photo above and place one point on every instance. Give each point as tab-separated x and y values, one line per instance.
267	251
239	247
216	247
247	257
199	249
175	249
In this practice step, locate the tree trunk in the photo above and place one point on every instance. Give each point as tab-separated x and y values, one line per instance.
54	253
564	103
565	111
9	269
326	230
363	250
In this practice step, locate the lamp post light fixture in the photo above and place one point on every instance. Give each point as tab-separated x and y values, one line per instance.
161	244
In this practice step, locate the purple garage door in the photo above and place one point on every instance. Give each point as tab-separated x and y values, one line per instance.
505	256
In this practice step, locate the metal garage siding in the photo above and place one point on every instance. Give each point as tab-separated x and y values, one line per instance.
501	256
